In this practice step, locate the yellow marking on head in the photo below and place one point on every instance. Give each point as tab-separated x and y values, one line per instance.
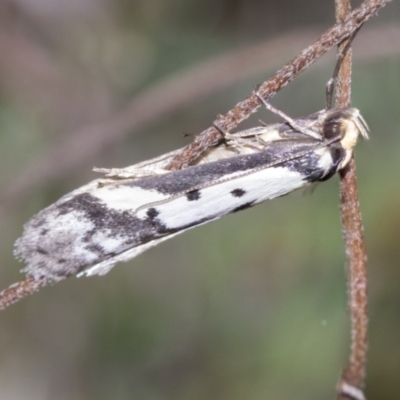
353	126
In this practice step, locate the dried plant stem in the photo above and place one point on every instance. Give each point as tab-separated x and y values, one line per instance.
352	382
269	88
19	290
354	374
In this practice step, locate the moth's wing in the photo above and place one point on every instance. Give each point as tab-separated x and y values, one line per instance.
168	217
92	228
80	230
104	266
154	166
256	138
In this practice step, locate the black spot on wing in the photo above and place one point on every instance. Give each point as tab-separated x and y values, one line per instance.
238	192
54	255
40	250
95	248
152	213
193	195
243	207
111	222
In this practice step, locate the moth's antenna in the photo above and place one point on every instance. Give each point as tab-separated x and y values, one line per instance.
330	86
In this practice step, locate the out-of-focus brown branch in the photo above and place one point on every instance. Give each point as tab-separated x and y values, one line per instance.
29	70
285	75
352	382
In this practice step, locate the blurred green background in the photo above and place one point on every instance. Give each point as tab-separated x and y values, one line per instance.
249	307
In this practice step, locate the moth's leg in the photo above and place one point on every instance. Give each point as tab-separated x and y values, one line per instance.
230	139
289	120
251	137
330	86
227	135
240	139
246	133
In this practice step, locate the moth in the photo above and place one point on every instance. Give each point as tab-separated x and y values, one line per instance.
132	209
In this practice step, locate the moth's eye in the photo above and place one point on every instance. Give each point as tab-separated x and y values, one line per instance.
334	128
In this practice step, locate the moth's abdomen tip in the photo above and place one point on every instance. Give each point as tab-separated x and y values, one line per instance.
51	246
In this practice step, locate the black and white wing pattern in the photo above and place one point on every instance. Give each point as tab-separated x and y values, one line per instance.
114	219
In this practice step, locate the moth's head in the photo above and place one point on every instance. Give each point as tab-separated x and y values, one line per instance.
344	126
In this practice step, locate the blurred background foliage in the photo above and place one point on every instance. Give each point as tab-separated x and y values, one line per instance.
249	307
